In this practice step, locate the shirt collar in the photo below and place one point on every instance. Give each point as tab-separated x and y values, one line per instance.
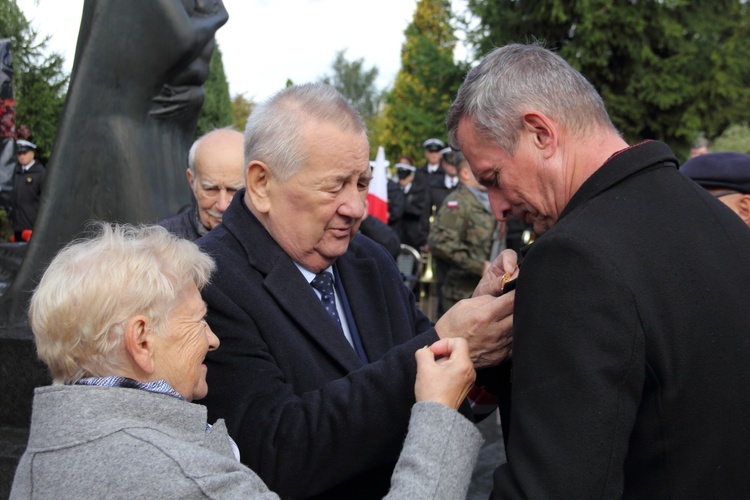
309	275
158	386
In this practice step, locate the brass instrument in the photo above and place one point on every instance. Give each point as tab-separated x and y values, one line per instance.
428	275
428	296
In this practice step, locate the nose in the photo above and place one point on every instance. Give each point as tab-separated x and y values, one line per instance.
500	206
225	198
354	203
213	340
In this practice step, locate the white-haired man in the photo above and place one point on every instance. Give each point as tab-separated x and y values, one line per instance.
316	372
214	174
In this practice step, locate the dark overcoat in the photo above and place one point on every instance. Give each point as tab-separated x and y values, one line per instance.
26	195
631	343
307	415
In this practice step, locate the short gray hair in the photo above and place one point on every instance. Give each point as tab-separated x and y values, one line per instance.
94	286
515	78
275	129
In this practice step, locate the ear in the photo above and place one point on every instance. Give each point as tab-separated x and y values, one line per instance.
743	208
139	344
543	131
257	183
190	179
463	174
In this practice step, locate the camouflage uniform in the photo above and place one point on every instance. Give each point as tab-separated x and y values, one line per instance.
462	234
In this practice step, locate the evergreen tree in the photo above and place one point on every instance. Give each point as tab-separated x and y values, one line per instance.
735	138
428	80
217	106
241	109
356	84
667	69
39	80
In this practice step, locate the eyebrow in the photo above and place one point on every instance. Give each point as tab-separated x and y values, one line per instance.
209	184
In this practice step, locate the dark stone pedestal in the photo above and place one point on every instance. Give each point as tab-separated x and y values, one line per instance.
20	372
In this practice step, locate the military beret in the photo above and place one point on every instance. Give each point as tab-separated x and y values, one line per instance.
720	170
433	144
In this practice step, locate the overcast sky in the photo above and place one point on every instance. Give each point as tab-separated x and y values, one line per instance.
266	42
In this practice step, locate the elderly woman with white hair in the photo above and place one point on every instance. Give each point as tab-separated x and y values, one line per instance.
119	321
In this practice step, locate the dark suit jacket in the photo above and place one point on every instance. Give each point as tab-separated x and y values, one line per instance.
26	195
307	415
631	342
380	232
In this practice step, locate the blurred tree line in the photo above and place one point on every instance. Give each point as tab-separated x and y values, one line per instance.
39	80
671	70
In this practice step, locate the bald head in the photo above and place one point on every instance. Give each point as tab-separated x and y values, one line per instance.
215	172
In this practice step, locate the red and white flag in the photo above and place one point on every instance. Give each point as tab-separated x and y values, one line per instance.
377	196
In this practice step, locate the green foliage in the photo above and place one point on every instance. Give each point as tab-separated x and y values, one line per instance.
735	138
667	69
241	109
428	80
39	81
356	84
217	107
5	228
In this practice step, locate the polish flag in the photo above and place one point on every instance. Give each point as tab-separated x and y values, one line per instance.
377	196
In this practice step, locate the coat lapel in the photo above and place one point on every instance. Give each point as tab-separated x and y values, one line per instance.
287	286
363	287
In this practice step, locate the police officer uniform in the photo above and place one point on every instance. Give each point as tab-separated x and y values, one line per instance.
27	191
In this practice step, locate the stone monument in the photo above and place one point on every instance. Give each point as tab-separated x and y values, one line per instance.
120	155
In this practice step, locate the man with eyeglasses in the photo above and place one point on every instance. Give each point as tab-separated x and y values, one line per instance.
726	176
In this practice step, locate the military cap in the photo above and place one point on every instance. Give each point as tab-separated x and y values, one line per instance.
404	170
405	167
433	144
23	145
720	170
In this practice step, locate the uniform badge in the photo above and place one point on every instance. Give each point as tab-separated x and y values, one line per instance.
29	180
452	204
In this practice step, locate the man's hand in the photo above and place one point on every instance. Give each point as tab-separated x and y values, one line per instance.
444	372
486	322
492	281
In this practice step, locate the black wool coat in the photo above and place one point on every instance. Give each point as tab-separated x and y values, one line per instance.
631	343
307	415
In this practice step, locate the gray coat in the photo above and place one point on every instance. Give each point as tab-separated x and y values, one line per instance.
112	442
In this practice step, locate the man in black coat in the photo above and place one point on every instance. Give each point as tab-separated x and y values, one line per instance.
316	386
630	374
26	195
421	187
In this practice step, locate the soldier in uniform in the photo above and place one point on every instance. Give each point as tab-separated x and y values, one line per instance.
464	234
26	195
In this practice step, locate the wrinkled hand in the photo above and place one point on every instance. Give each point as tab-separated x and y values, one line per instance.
448	378
486	322
491	282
